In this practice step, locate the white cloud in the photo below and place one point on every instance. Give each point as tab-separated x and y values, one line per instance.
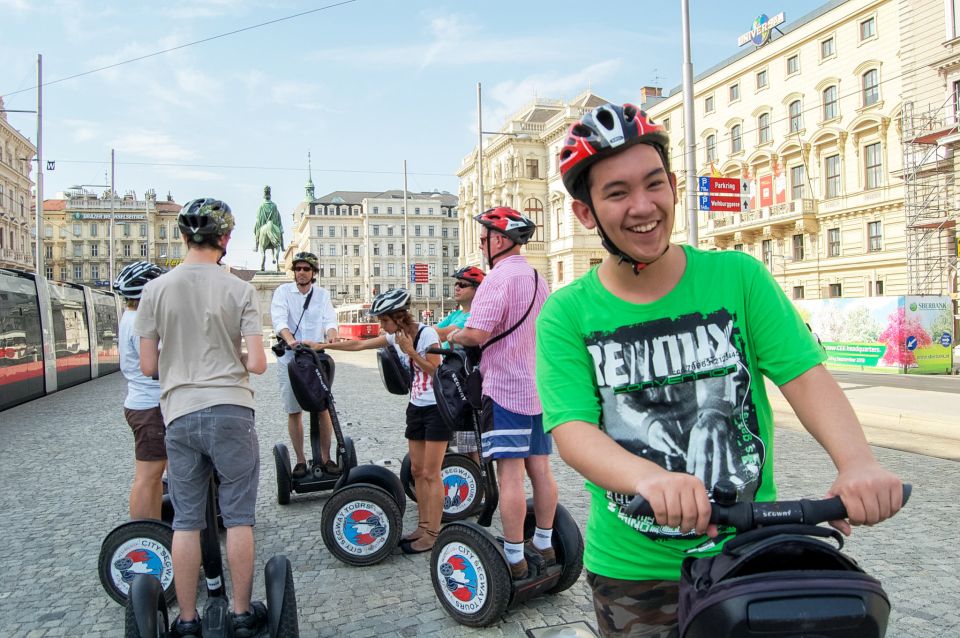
503	99
82	130
151	145
15	5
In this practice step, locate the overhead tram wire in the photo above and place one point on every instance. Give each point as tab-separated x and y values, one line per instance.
183	46
256	168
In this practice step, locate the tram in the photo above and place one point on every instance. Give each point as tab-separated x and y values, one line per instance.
53	335
354	323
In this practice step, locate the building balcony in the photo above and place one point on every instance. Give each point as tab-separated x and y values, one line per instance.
799	214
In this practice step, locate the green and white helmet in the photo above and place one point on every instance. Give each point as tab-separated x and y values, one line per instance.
203	218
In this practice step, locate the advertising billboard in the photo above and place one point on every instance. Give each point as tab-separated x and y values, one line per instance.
898	335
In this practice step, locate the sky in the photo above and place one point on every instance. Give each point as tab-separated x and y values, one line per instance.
361	85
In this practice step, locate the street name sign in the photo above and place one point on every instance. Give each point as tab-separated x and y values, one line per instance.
723	203
723	185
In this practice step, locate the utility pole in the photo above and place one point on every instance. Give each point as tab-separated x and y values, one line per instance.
406	230
689	130
38	256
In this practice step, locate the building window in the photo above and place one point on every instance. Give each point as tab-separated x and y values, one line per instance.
833	242
143	230
708	104
416	210
666	125
738	247
767	252
836	290
376	250
162	231
796	116
798	292
78	272
868	28
763	128
356	231
126	250
831	169
533	169
319	231
321	250
433	290
827	48
49	272
798	247
430	231
711	148
417	250
797	179
444	232
63	273
734	92
762	79
432	250
94	271
389	250
736	139
47	253
560	271
76	230
389	231
830	110
416	231
391	269
94	229
873	165
871	87
126	230
874	238
78	251
143	249
793	64
879	288
376	230
376	270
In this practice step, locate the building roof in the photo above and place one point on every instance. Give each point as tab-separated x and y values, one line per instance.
355	198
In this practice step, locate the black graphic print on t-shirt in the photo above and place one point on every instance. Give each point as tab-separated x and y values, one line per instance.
677	392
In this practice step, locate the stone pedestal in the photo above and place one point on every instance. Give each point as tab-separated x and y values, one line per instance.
266	283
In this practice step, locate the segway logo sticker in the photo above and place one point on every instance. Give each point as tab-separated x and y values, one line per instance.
359	528
465	579
141	556
459	489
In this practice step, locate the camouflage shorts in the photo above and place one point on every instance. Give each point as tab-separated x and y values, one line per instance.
643	608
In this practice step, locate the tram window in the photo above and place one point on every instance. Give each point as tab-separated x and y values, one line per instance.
71	338
105	311
21	347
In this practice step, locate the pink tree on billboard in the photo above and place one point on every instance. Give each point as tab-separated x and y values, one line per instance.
899	328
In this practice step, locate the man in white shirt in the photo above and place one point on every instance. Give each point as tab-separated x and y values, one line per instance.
303	313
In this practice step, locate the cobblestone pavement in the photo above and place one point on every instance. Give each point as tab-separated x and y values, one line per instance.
65	468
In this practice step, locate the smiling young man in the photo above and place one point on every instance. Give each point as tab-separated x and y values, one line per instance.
650	371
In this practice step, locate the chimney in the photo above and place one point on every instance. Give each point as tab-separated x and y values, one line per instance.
650	95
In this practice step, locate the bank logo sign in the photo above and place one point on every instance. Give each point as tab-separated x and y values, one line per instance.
760	33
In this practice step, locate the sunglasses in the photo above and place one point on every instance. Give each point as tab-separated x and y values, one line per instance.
461	284
302	269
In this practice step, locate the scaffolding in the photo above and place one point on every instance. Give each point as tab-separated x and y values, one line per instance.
930	197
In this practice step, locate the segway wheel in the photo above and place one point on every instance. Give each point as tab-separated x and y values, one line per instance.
137	547
281	598
146	613
284	472
361	524
470	575
567	543
406	477
462	487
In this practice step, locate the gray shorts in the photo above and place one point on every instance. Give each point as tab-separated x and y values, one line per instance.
221	438
287	399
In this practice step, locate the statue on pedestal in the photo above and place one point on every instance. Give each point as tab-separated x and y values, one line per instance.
268	231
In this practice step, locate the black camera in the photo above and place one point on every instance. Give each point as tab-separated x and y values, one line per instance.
280	347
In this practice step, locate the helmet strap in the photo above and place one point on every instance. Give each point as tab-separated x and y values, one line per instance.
490	257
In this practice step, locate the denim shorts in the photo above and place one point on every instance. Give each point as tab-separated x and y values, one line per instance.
509	435
220	438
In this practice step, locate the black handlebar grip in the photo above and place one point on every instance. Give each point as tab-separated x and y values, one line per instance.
832	509
443	352
638	506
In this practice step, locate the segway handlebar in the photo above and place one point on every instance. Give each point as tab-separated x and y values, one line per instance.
443	352
746	516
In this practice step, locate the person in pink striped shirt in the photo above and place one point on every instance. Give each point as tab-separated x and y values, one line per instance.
507	303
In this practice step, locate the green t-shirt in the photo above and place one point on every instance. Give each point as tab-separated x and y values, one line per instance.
678	382
456	318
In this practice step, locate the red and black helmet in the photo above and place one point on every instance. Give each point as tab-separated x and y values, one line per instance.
508	222
606	130
470	274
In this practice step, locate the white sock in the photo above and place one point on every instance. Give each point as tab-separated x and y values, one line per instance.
514	552
542	537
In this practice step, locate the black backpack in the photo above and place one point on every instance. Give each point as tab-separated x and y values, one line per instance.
311	377
397	378
780	581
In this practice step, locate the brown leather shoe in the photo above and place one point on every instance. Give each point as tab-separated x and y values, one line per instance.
331	468
518	571
548	555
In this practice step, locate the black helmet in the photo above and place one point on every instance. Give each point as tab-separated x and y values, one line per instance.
310	258
203	218
131	280
390	301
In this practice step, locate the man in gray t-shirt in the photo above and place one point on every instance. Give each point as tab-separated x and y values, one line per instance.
201	313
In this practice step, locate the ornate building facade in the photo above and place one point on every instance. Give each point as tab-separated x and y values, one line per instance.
362	241
17	154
